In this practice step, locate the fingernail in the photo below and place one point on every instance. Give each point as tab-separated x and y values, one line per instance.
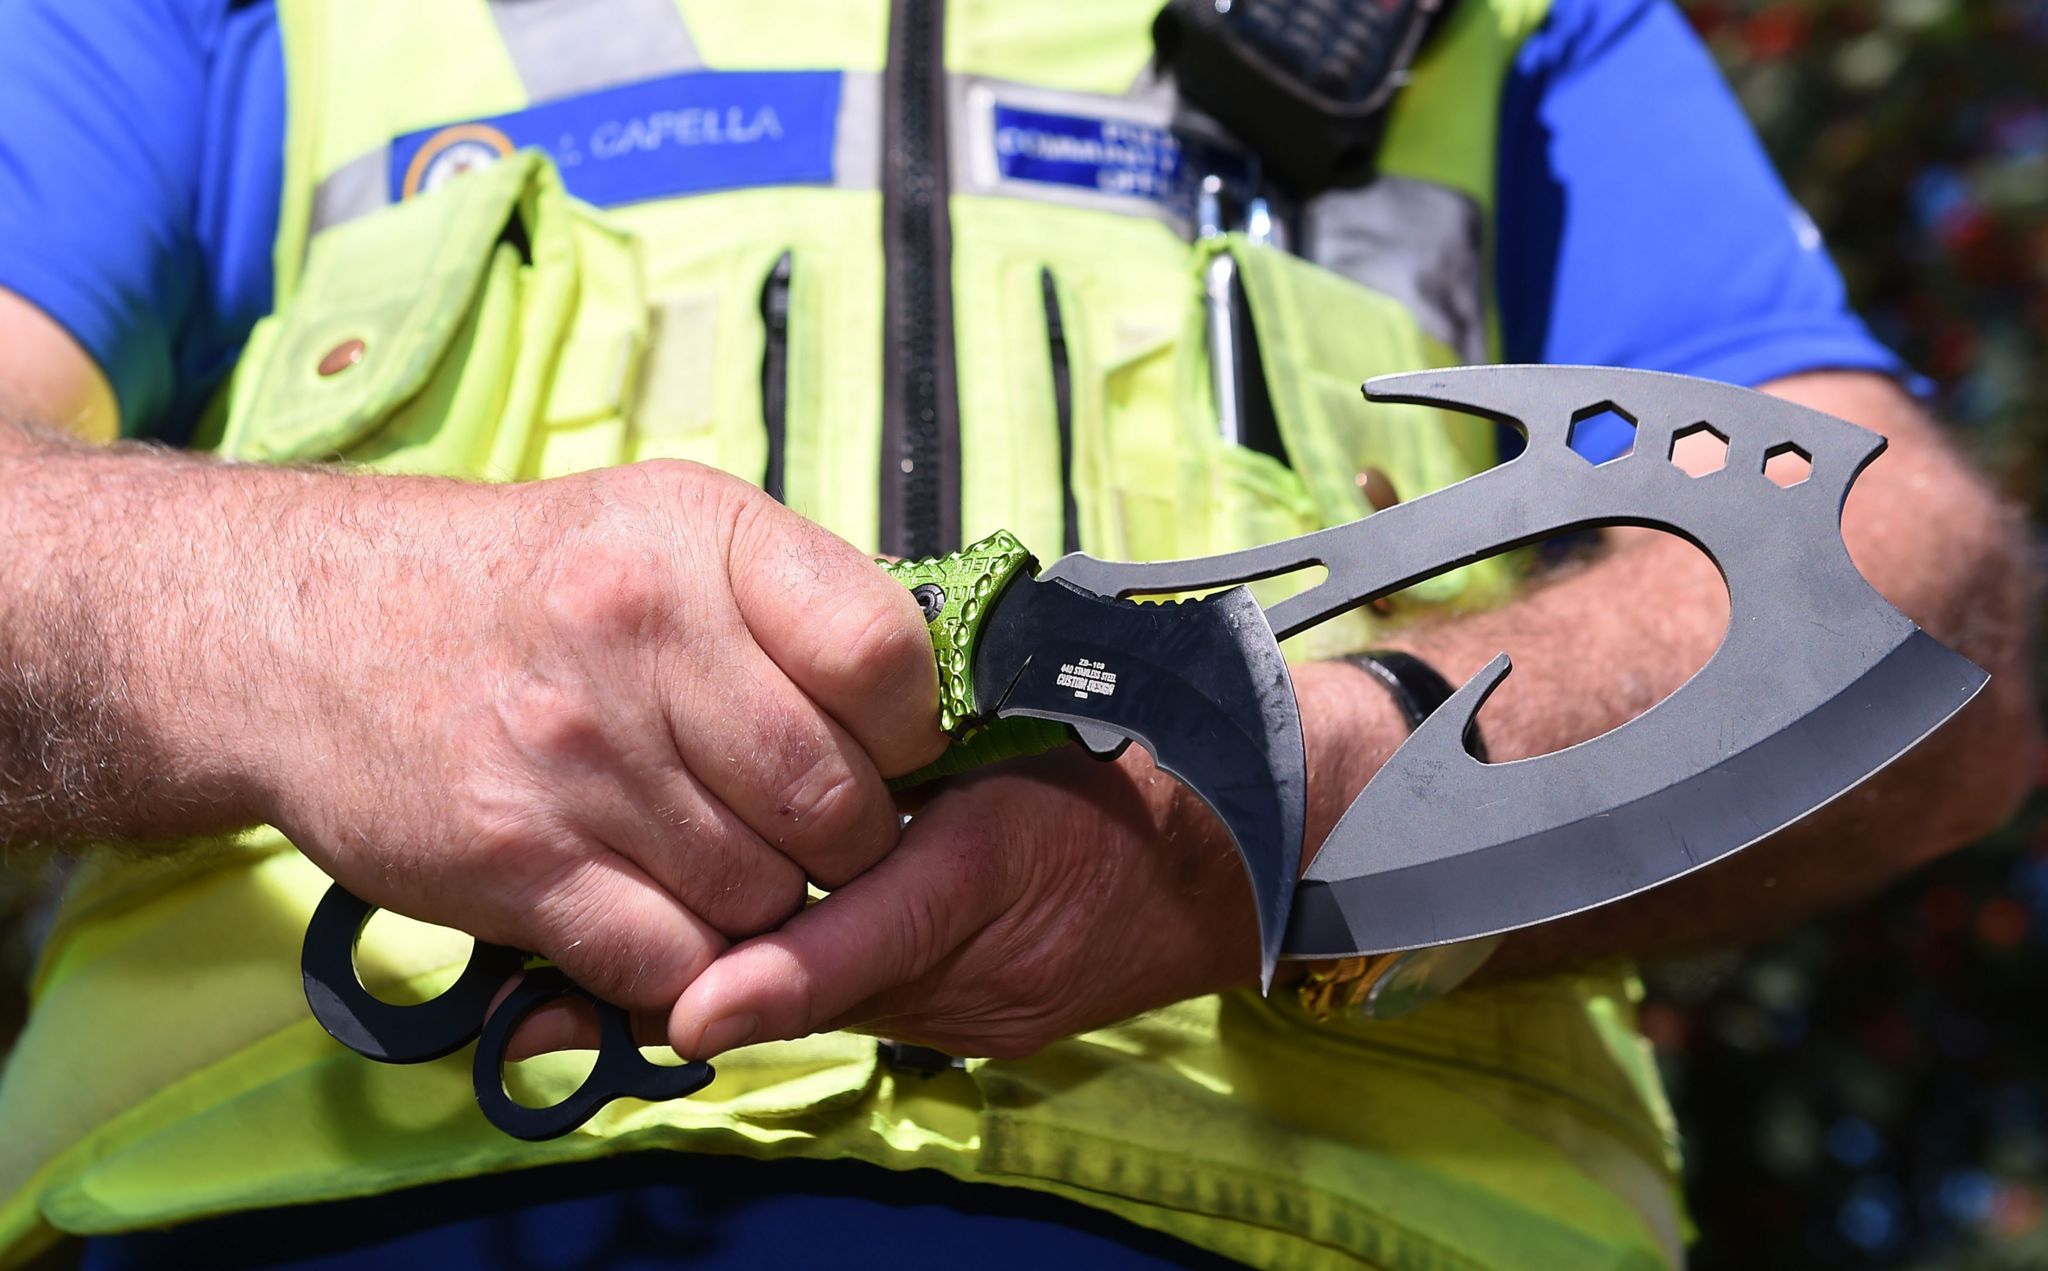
721	1035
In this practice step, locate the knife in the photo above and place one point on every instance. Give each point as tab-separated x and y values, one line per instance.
1818	684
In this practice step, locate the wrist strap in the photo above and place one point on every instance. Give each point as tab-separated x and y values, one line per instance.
1417	688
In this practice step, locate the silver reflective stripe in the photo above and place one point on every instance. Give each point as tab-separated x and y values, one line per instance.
565	47
356	188
972	102
857	139
1417	242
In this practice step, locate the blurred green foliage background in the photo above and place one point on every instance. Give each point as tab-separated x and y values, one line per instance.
1871	1091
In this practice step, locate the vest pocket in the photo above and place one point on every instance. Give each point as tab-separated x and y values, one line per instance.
729	379
1321	335
442	334
1173	486
1259	499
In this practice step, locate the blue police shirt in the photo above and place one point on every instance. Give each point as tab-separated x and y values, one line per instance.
1639	224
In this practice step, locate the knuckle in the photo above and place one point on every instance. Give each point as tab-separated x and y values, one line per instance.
815	806
587	931
605	590
664	472
546	724
702	479
822	793
753	523
744	907
667	480
705	500
878	641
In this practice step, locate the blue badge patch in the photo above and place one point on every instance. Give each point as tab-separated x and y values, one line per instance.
682	134
1121	157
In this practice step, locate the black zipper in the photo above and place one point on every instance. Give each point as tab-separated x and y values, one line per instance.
775	373
920	401
1062	407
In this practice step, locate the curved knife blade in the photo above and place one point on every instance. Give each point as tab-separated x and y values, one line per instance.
1817	684
1568	835
1200	684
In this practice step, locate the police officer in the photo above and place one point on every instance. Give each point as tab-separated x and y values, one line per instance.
918	271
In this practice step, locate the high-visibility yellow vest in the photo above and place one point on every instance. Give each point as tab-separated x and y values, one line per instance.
732	309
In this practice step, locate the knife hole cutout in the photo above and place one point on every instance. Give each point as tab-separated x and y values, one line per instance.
1576	679
545	1079
1699	450
1602	433
1787	465
403	961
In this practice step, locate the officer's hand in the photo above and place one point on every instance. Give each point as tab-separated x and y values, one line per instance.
1033	901
1024	904
617	719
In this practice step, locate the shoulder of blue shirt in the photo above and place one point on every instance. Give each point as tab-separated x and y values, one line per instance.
139	167
1639	222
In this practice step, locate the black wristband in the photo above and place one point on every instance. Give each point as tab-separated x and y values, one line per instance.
1417	688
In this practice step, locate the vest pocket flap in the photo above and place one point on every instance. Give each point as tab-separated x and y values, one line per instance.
1320	336
381	300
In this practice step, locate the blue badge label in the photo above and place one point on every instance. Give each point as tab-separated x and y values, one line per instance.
692	133
1124	157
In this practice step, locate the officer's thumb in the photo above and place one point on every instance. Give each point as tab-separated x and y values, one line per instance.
883	930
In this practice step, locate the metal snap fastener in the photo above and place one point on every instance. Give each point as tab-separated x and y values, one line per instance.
341	357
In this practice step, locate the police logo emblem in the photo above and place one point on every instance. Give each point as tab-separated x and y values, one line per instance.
451	152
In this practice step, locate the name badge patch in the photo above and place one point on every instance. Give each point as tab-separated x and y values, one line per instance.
1123	158
693	133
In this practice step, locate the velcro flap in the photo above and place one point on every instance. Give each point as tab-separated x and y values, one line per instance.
380	301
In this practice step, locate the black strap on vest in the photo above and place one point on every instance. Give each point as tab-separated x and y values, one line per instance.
1305	83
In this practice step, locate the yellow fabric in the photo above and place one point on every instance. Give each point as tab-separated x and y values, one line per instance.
1508	1126
1309	319
1476	1133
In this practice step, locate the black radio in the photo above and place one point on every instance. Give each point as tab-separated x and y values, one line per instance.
1305	83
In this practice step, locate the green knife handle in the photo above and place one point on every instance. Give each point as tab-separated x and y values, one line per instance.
957	592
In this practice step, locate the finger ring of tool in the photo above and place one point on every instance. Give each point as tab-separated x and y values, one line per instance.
621	1071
